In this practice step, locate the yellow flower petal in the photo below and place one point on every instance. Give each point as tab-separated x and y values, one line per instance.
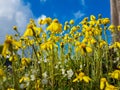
86	79
75	80
88	49
71	21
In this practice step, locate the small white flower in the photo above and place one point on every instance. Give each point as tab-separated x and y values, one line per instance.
70	73
118	58
32	77
4	79
45	60
8	56
22	86
38	62
66	61
44	81
33	71
81	66
72	57
59	63
44	75
63	71
28	83
56	66
115	49
26	75
61	66
10	67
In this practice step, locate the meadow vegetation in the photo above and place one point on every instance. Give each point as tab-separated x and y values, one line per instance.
52	56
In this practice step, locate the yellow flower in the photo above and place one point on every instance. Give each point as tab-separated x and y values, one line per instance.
13	58
55	20
83	48
112	28
47	20
77	43
118	28
105	21
118	44
44	35
115	45
31	42
66	37
32	21
61	44
32	30
25	61
84	21
66	23
1	73
10	89
55	26
24	79
37	30
92	23
28	31
74	28
15	28
66	27
88	49
86	79
56	38
110	87
93	41
86	27
71	21
97	31
40	22
83	45
99	21
5	49
43	46
102	43
37	85
115	74
47	45
10	44
18	44
89	41
92	17
81	77
102	83
6	46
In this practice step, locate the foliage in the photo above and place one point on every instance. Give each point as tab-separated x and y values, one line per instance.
61	57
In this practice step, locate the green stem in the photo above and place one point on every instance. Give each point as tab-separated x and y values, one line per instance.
53	64
36	64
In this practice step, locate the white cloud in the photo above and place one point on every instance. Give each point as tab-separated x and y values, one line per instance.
41	17
83	2
42	0
78	14
13	12
37	20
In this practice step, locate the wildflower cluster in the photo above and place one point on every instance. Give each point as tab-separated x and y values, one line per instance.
65	57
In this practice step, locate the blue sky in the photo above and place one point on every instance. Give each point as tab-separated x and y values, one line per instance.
69	9
18	12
